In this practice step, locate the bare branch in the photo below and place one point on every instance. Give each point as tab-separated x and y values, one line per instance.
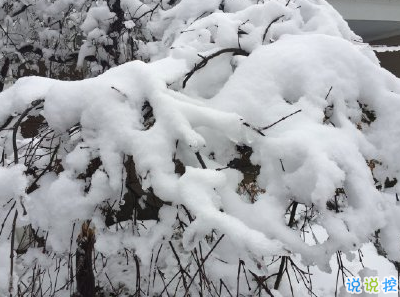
202	264
282	119
16	126
269	26
11	283
203	63
201	161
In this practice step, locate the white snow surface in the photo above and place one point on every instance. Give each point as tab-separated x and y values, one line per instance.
309	60
385	48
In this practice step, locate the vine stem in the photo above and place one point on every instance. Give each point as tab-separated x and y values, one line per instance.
11	280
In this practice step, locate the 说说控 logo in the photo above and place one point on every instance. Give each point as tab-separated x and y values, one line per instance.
372	285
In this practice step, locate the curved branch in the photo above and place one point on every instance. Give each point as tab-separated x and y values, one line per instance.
151	11
270	24
16	126
21	10
34	185
11	278
203	63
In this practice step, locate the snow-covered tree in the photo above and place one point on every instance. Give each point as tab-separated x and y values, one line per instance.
51	38
249	148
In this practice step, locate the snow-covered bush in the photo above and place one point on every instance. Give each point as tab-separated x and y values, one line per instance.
50	38
252	151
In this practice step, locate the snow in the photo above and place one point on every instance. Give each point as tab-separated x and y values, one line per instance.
385	48
4	268
191	8
12	182
308	61
129	24
97	16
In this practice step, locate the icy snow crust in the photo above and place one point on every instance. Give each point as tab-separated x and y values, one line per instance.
309	60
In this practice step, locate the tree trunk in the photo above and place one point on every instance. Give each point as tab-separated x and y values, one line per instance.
84	268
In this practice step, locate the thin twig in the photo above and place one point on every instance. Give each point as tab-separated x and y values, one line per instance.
181	270
269	26
329	92
202	263
11	283
16	126
33	186
201	161
282	119
261	283
284	259
151	11
254	128
5	219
